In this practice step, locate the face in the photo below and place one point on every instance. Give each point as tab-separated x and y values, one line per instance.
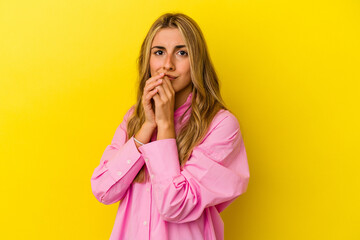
169	55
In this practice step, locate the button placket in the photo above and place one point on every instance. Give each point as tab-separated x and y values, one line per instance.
147	219
150	205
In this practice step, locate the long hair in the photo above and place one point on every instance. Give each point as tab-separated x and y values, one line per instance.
206	98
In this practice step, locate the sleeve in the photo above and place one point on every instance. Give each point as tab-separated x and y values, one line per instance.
119	164
215	174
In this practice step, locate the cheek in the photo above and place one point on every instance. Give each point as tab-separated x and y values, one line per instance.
153	64
186	68
188	74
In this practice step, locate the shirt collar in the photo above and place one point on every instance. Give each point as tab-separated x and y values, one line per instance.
180	110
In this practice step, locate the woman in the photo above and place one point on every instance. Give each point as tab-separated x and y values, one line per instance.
178	158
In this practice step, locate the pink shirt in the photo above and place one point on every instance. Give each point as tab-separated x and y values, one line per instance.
174	203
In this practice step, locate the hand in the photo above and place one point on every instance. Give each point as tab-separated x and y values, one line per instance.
149	91
164	104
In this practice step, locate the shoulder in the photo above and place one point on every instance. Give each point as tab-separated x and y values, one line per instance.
123	124
223	137
223	126
120	135
129	113
225	120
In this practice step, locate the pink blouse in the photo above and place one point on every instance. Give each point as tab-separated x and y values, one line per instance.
173	203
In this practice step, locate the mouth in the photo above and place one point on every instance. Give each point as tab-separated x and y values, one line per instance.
170	77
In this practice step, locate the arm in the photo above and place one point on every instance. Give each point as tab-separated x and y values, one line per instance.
215	174
119	164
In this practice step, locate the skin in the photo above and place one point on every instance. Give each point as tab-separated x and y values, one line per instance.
168	94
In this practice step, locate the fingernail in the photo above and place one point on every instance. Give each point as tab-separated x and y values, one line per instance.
161	74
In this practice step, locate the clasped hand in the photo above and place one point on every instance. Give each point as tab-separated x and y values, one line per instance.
161	90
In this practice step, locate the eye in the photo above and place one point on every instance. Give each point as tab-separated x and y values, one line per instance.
183	53
158	52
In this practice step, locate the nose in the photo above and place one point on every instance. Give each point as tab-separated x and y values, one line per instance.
168	63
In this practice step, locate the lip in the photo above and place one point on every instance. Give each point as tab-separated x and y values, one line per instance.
170	76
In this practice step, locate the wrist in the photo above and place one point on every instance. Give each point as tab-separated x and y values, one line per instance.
144	134
165	125
165	131
149	125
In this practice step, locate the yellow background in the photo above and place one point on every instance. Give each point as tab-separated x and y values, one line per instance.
289	70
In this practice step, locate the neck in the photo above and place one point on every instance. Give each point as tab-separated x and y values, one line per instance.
180	97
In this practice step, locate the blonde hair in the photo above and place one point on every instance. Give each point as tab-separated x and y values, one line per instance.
206	98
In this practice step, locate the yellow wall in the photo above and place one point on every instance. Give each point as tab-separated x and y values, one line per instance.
289	70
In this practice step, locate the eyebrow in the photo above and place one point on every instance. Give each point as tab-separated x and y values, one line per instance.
176	47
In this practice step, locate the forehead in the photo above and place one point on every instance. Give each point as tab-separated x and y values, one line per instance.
168	37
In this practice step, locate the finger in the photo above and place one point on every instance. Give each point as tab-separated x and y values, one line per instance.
157	99
150	84
168	87
147	98
171	87
162	93
153	85
154	78
151	94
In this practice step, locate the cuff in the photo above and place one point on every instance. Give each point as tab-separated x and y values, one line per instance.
161	158
123	160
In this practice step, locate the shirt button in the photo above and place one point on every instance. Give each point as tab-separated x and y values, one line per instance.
146	160
119	173
152	176
145	222
148	189
128	161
